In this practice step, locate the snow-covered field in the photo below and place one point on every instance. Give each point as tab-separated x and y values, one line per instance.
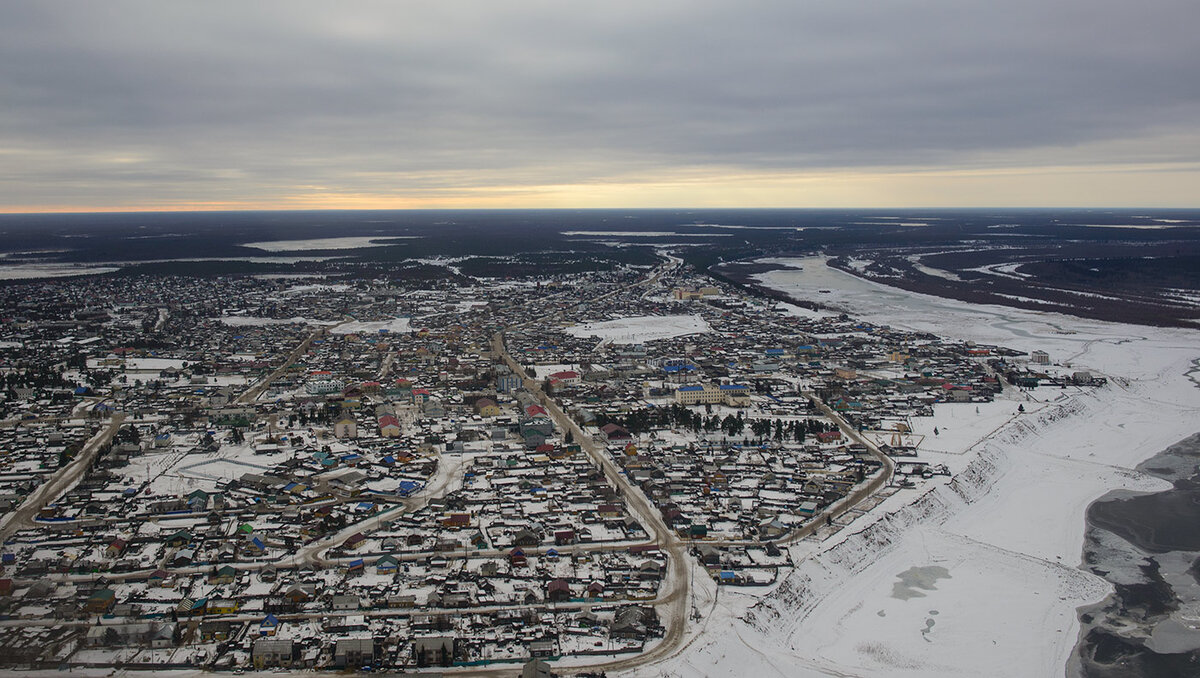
26	271
640	329
346	243
643	234
254	321
978	575
373	327
143	364
316	287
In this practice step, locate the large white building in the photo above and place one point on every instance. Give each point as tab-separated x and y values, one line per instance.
324	386
734	395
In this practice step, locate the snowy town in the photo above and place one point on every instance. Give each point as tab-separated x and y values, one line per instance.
349	473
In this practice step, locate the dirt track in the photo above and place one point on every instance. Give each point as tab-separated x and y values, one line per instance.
62	481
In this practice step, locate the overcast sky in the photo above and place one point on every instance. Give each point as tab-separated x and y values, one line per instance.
193	105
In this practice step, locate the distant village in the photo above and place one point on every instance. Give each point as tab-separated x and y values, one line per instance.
321	472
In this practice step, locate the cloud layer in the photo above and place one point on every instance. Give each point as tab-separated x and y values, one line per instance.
276	103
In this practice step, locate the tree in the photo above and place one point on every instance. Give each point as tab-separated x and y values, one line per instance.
761	428
732	425
129	434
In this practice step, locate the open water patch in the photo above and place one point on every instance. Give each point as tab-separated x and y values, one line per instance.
1148	546
914	580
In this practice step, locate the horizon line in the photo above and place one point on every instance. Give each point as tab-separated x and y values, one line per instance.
227	210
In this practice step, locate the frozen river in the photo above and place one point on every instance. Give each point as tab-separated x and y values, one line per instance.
1005	536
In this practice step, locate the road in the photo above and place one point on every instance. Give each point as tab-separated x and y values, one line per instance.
674	591
252	393
79	412
438	485
888	466
674	595
386	367
59	483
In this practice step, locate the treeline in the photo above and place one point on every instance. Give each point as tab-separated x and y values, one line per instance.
677	416
34	377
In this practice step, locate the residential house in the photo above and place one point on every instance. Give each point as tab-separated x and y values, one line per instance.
101	601
486	407
269	626
270	652
433	650
345	427
354	652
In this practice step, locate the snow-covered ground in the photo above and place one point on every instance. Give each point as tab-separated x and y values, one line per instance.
25	271
644	234
345	243
355	327
254	321
316	287
143	364
640	329
978	575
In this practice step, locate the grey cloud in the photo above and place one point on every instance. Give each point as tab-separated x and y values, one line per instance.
287	92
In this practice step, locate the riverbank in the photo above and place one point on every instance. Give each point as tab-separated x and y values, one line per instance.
1007	531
